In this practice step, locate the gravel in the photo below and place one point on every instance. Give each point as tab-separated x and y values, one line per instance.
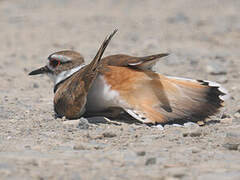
150	161
232	140
202	38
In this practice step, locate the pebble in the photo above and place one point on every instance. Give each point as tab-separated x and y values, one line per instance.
232	140
109	134
230	146
194	133
160	127
176	172
171	165
80	147
201	123
76	176
83	124
180	17
234	88
216	68
190	124
97	145
33	163
170	178
238	107
177	125
70	125
35	85
150	161
224	115
222	79
28	147
167	126
237	115
141	153
195	150
226	120
24	69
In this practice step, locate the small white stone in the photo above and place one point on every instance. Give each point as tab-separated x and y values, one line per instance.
237	115
9	137
189	124
177	125
160	127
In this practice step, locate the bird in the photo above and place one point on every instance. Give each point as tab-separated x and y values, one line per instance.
72	79
126	85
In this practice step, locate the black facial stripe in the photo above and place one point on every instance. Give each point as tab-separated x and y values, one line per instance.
65	62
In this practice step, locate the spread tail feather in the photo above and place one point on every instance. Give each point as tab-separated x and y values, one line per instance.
153	98
196	99
178	100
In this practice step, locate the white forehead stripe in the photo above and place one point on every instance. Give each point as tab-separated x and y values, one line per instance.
62	58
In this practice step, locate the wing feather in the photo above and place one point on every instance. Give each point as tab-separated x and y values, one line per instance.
161	99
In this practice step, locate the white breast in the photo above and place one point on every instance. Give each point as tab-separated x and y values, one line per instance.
101	96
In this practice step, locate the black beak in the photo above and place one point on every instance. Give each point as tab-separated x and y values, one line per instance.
41	70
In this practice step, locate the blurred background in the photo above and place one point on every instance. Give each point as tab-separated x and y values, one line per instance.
203	39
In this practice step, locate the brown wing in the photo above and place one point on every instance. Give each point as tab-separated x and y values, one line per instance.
130	61
70	97
154	98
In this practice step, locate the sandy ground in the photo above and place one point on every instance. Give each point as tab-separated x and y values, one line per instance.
203	38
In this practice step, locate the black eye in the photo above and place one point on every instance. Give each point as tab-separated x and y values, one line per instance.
54	63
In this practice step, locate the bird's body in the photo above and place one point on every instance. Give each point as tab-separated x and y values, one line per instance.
126	84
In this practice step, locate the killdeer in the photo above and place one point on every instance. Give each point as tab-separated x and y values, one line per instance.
72	79
127	84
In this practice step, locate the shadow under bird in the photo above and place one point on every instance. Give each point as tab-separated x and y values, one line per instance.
125	84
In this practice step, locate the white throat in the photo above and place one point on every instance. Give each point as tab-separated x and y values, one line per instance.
64	75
